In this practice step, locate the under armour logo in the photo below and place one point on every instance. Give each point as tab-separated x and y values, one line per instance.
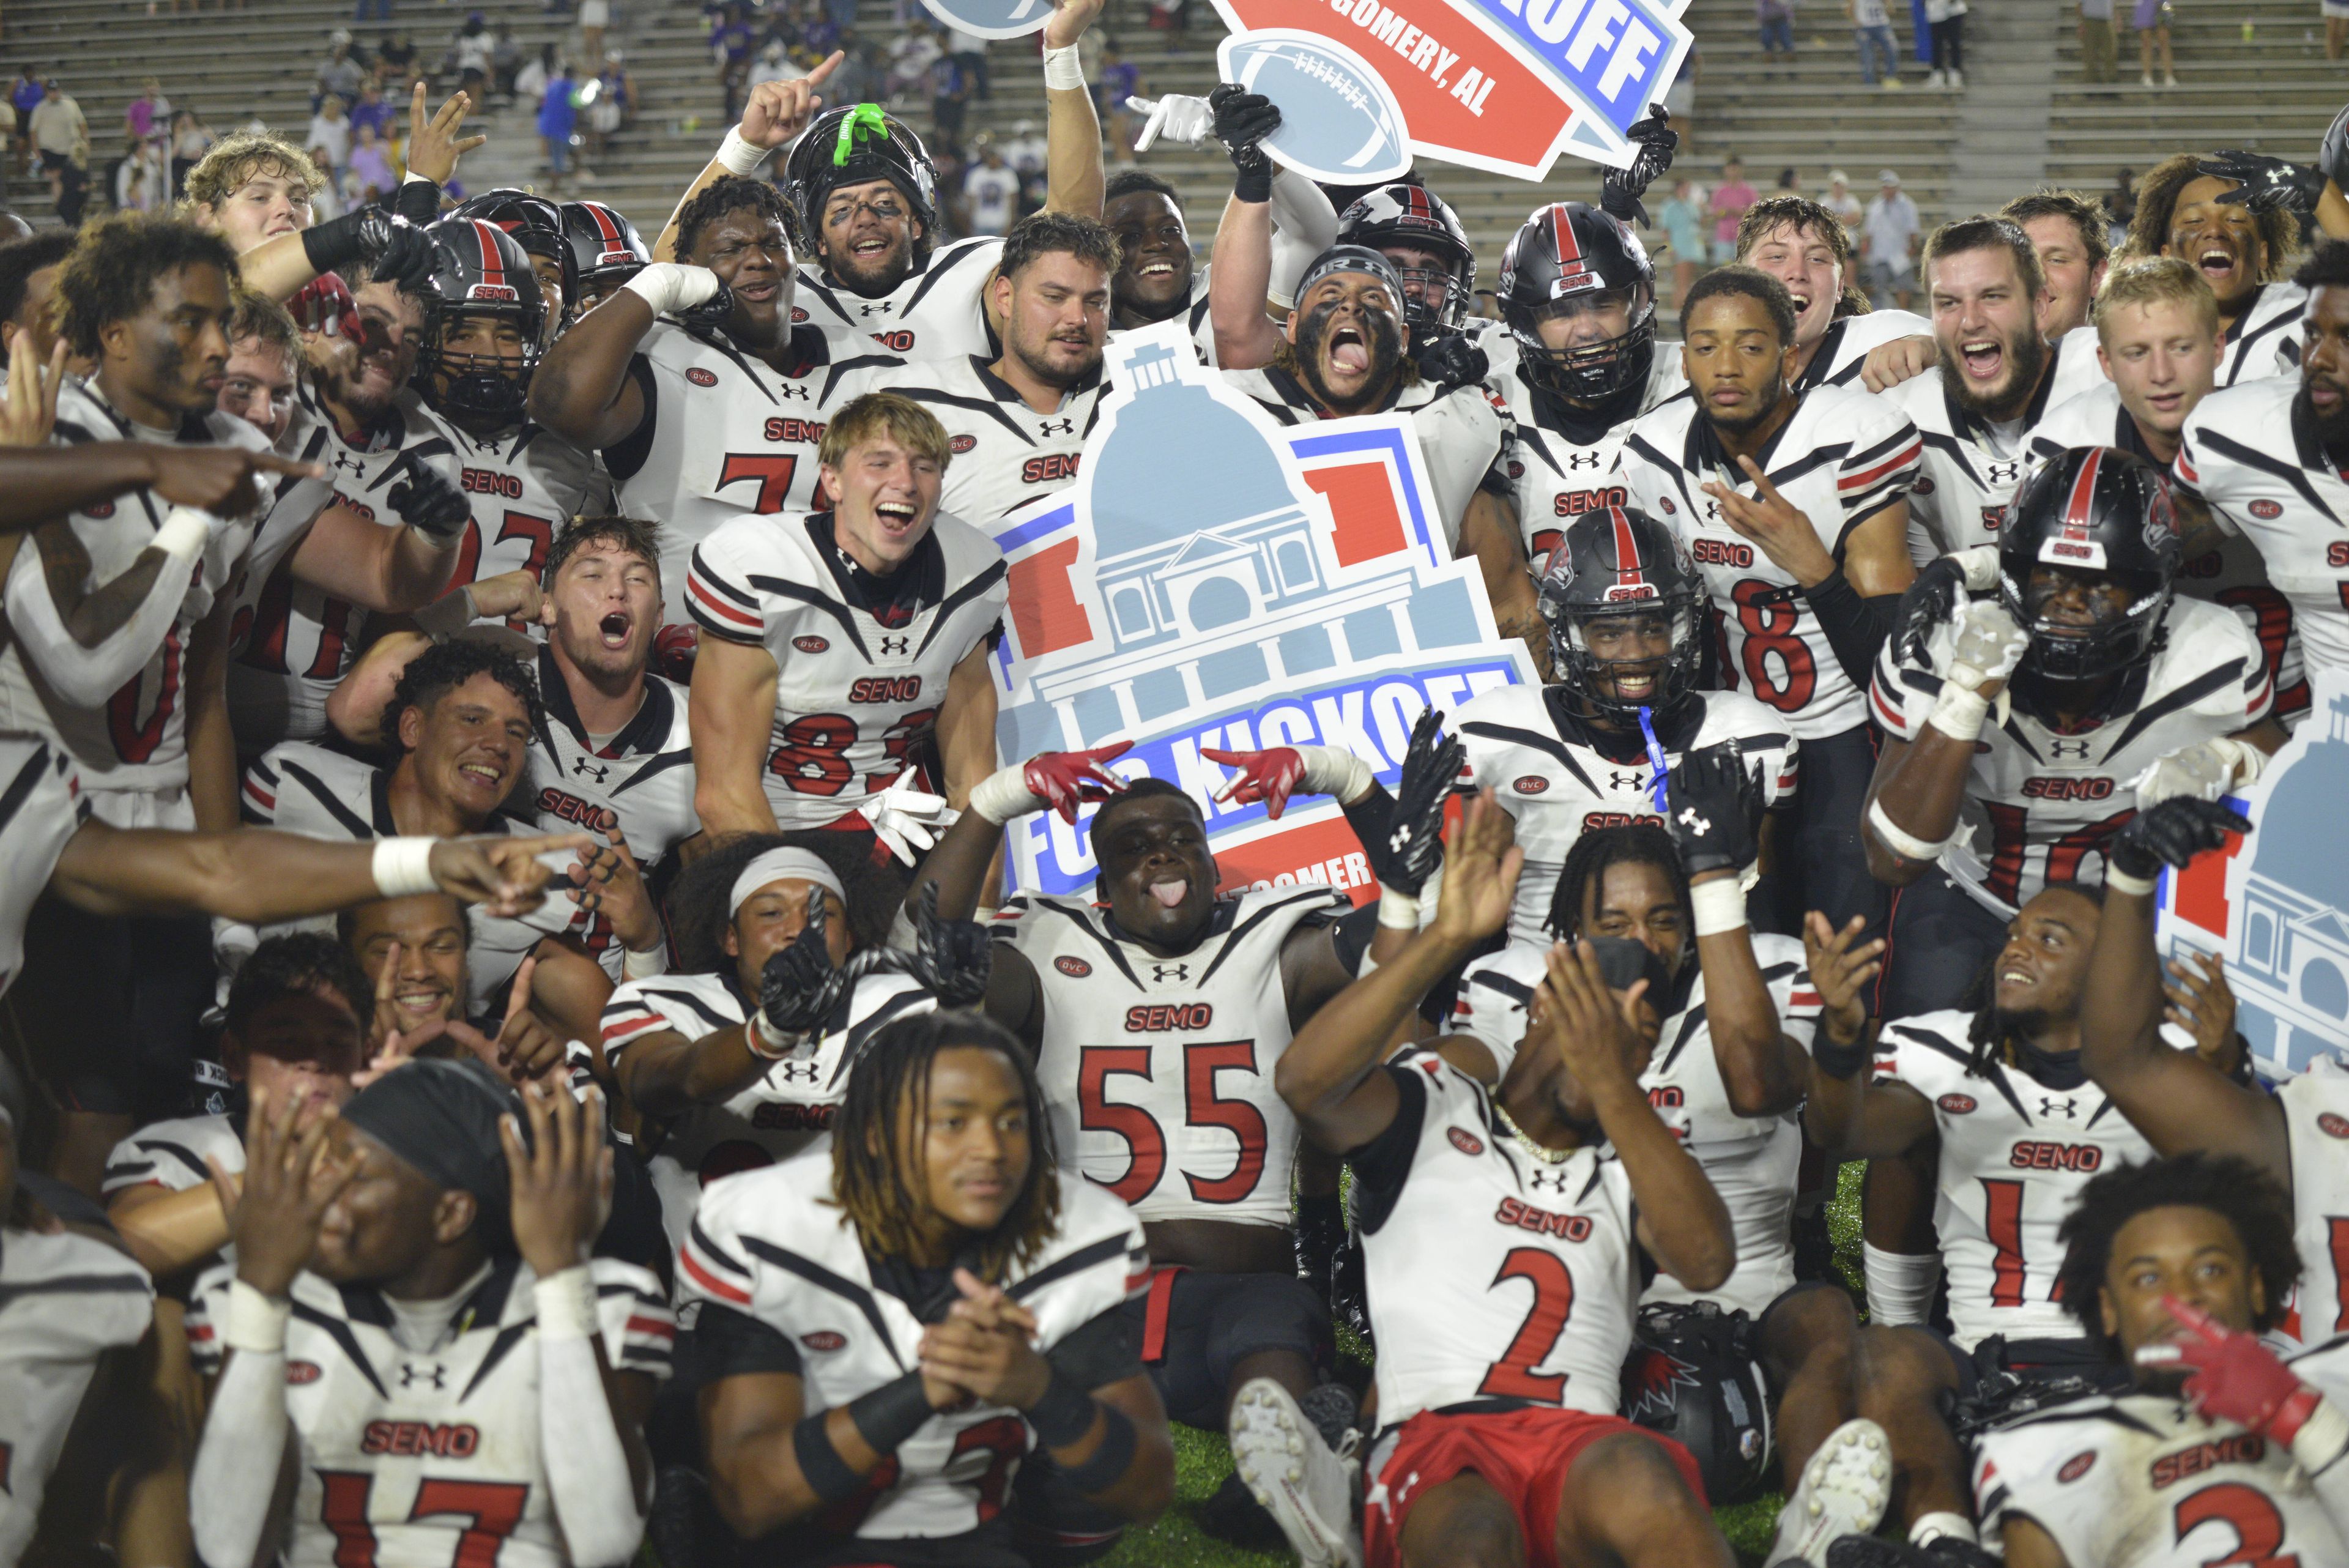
410	1375
1056	427
793	1072
1575	460
1713	511
896	644
2054	1107
871	309
794	389
584	767
2002	473
1554	1179
345	460
2063	748
1163	972
1626	781
1694	823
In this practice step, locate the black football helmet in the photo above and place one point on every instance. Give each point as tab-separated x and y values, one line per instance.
535	223
1691	1376
1570	258
1615	562
479	270
1401	215
605	249
849	146
2094	510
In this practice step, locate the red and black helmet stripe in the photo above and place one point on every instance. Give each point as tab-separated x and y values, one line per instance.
1631	567
2080	506
492	263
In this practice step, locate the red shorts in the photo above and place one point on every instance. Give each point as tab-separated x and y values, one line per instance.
1524	1455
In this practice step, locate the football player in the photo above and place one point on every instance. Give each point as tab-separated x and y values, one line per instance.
1418	231
1157	279
250	187
890	1325
846	648
1494	1432
1794	505
740	1056
2067	230
1578	295
536	225
2158	337
1839	339
264	359
2260	455
413	1353
1018	426
691	381
1625	608
605	252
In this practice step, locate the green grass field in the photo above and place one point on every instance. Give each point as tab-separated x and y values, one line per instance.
1202	1461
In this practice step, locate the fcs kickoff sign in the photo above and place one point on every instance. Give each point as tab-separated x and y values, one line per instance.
1501	84
1212	580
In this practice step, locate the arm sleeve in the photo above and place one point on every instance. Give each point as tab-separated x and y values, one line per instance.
88	677
1856	628
587	1461
1382	1165
235	1472
1103	1350
728	1344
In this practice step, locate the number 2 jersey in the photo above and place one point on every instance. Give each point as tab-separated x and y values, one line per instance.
2014	1153
1752	1161
426	1459
862	662
2039	804
1844	457
1158	1072
771	1247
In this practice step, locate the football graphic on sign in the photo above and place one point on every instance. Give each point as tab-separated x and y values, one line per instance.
992	18
1340	122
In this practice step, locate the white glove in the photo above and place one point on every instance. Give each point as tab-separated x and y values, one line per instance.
671	286
2204	770
906	819
1176	117
1981	566
1988	646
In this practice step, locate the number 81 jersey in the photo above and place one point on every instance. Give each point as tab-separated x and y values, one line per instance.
1158	1072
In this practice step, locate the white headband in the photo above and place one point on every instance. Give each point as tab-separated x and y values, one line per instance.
779	866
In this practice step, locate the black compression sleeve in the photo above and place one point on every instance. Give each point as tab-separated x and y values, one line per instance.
1856	627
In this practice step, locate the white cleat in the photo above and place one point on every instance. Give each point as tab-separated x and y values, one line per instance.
1288	1468
1844	1491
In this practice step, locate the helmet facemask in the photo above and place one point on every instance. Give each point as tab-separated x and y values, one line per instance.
2063	648
492	387
1590	371
1658	679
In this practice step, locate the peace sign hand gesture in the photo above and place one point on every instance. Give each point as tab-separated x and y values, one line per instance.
1775	526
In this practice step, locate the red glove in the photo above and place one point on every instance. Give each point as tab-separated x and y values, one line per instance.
1065	780
1267	777
675	647
2235	1378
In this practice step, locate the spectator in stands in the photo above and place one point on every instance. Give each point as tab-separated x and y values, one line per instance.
773	65
370	177
1837	198
372	112
1775	19
969	52
594	17
910	58
990	190
2099	61
329	142
146	116
1119	79
473	54
63	137
730	47
949	99
339	76
558	116
1871	31
25	96
2121	206
1680	100
1788	180
1888	243
614	101
191	140
142	180
396	55
505	60
2151	21
1730	200
530	82
1682	221
1947	19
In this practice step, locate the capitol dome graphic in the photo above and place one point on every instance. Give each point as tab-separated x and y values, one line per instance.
2291	977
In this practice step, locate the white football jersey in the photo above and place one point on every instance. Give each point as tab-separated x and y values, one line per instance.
725	433
429	1458
41	807
2316	1121
2265	341
1844	457
1751	1160
1158	1072
860	676
2039	802
170	1154
2014	1154
1561	459
937	312
2233	575
1002	453
137	741
2251	454
2139	1480
1195	317
781	1114
65	1299
1972	468
525	485
1844	348
1537	1309
771	1244
1550	774
1464	431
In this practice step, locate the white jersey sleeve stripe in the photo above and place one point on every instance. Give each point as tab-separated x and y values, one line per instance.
705	1268
711	608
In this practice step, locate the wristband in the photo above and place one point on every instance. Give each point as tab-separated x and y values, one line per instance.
1253	186
1959	711
2119	881
891	1414
1004	795
1111	1455
2320	1432
1398	910
1064	1413
1836	1060
403	867
1899	840
1063	72
184	534
254	1324
1718	905
653	961
566	1304
826	1473
764	1040
740	155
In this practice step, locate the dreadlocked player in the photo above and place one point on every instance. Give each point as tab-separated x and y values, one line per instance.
888	1325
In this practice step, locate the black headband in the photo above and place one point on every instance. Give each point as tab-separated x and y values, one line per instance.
1353	258
440	1114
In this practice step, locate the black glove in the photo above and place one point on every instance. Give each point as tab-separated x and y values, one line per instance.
951	958
2171	833
427	502
711	315
1449	360
2264	184
1619	189
395	250
799	988
1243	120
2333	153
1930	602
1713	803
1414	844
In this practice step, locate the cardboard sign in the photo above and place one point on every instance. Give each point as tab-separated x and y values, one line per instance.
1501	84
992	18
1215	580
2276	904
1339	122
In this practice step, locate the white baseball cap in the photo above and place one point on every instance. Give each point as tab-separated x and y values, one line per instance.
1886	177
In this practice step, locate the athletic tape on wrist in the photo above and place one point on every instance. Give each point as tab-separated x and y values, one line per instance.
826	1473
2119	881
634	965
1063	70
566	1304
2323	1438
254	1324
764	1040
741	156
1398	910
183	534
1959	711
1899	840
1719	906
403	867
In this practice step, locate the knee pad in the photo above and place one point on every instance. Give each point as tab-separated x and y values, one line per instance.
1256	1313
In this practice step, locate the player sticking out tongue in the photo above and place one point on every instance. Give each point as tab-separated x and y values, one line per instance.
1347	337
